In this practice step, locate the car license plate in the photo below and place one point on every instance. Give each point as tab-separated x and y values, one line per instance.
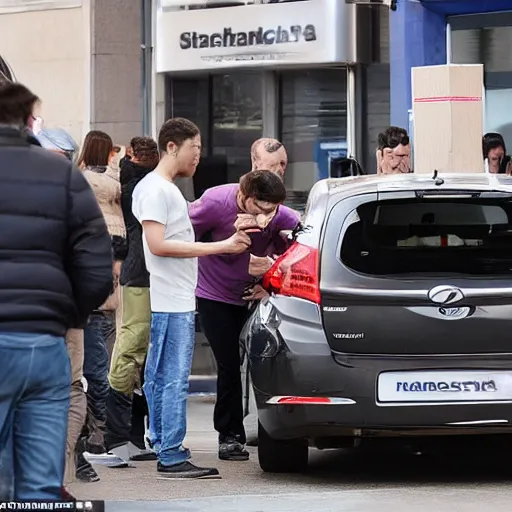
445	386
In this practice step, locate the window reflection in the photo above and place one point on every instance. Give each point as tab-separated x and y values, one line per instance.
237	118
188	98
313	108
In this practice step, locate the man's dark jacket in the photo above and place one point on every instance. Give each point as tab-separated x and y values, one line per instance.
133	271
55	250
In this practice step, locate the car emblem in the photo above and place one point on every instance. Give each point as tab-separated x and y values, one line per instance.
455	313
445	295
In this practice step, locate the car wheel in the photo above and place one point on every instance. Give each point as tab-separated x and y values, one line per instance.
281	456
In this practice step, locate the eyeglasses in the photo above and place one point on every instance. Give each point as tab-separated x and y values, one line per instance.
37	124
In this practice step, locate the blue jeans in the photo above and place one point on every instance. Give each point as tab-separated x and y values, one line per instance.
100	327
35	383
168	367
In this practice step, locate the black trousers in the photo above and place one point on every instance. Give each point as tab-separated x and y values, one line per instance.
99	330
125	418
222	324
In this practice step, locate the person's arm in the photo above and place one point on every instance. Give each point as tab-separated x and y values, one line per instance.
154	232
151	210
89	255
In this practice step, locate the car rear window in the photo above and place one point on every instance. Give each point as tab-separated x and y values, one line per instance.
430	236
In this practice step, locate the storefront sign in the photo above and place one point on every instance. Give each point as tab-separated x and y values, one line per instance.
229	39
306	32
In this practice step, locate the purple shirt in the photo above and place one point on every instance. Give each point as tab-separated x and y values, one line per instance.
223	277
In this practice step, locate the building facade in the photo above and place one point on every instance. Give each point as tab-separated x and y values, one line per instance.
81	57
312	73
433	32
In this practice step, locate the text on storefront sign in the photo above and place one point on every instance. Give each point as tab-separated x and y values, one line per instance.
228	38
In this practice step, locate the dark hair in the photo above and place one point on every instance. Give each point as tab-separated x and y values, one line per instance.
492	141
145	150
16	104
264	186
176	130
392	137
96	149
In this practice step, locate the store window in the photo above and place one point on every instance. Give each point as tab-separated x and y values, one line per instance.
189	98
227	108
237	119
486	40
313	108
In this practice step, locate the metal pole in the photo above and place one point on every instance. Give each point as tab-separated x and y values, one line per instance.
448	43
146	65
352	149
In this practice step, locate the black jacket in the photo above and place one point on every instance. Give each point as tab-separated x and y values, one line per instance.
133	271
55	251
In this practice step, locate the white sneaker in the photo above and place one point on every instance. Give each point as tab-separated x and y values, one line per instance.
116	458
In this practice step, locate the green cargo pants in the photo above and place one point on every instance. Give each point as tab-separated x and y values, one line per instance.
132	340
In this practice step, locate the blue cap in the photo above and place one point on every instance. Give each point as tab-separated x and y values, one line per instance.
57	139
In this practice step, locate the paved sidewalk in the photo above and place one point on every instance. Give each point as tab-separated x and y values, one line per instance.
338	481
141	483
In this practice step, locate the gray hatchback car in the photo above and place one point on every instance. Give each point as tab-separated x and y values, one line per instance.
390	314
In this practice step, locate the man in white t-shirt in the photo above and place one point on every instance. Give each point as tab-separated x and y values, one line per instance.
171	254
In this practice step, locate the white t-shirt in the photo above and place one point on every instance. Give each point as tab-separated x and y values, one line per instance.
172	281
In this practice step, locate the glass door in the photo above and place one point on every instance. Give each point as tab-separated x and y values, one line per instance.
228	109
313	109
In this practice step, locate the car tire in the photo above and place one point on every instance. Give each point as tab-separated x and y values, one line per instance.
281	456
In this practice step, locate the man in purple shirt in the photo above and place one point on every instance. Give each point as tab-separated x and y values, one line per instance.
255	205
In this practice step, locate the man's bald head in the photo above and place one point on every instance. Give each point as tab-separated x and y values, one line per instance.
270	155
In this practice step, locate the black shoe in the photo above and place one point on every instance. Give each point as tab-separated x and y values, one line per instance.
144	456
187	470
139	454
87	473
231	449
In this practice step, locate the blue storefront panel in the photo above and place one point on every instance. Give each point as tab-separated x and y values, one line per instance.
418	38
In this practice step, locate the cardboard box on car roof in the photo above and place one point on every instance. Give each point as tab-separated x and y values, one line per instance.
448	118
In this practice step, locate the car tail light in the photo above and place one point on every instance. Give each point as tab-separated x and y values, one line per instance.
295	274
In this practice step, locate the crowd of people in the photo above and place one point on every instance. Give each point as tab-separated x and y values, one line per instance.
103	268
101	254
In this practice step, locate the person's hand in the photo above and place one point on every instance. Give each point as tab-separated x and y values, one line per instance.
259	266
116	270
385	161
237	243
394	161
255	293
246	222
404	167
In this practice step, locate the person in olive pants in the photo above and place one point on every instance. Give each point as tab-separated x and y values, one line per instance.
126	404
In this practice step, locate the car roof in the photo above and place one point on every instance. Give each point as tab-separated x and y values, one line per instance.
409	182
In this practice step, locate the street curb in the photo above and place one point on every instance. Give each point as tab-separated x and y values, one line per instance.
202	385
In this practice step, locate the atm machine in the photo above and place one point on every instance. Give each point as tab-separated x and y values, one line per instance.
333	161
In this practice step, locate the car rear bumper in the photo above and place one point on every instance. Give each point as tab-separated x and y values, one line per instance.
354	409
289	356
